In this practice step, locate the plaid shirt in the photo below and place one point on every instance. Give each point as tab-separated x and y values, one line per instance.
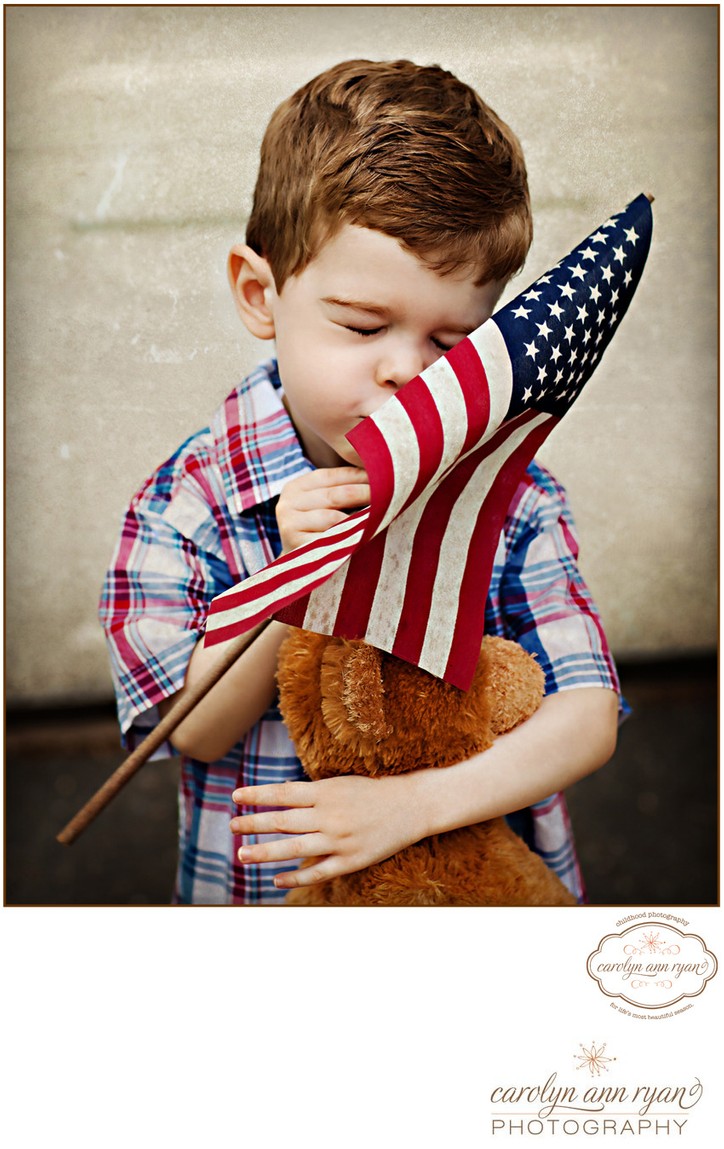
204	521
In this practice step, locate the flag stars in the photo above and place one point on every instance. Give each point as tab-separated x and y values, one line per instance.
599	237
618	253
570	333
607	274
532	295
595	293
521	312
631	235
588	253
544	329
527	394
555	309
566	290
555	353
582	313
531	349
627	278
541	374
578	272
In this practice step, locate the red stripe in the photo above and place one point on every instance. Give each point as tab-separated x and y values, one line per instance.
359	589
367	440
426	422
288	568
423	567
468	367
470	622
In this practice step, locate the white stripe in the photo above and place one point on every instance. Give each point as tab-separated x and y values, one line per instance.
321	613
261	602
394	424
444	388
391	586
489	343
453	553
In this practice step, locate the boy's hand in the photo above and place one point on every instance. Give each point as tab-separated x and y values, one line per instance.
344	823
318	500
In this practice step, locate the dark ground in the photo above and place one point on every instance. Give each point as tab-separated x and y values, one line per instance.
646	825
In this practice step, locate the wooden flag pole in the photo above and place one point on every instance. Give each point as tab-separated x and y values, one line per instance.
156	738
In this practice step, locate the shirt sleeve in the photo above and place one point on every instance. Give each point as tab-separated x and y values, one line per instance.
545	602
167	567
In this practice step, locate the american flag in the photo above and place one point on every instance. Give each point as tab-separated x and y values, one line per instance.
410	573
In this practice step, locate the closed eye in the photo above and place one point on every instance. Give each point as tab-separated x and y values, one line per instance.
364	331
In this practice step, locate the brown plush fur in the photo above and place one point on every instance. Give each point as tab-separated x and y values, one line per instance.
351	709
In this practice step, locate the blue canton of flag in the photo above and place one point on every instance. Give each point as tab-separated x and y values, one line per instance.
557	330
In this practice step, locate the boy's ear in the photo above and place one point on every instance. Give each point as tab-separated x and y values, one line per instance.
252	285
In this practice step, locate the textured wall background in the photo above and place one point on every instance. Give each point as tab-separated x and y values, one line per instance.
132	139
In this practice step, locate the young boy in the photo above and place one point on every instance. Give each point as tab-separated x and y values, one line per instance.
390	210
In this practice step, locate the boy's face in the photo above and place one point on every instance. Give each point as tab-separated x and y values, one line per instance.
361	320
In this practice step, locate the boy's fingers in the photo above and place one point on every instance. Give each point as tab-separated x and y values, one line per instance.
286	794
292	821
283	850
332	477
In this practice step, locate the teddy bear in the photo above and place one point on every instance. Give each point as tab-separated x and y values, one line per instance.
353	709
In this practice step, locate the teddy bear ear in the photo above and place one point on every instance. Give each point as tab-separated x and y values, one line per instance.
353	695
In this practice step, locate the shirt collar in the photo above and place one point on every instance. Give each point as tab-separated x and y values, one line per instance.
256	445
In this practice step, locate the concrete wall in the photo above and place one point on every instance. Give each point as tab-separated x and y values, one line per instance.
132	140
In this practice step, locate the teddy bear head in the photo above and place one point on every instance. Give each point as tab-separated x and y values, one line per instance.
353	709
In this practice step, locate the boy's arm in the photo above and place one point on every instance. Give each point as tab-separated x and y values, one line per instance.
348	823
237	701
308	504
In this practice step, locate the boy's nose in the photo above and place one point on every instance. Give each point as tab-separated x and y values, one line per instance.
397	367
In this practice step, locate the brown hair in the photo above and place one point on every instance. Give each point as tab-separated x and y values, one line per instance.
407	150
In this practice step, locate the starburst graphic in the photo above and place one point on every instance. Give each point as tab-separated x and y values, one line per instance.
652	943
594	1059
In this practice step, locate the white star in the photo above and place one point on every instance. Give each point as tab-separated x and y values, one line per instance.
601	316
582	314
627	278
573	355
578	271
607	274
532	295
595	293
618	254
521	312
531	349
527	394
555	309
543	329
614	296
542	393
599	337
569	334
566	290
541	374
559	375
612	320
599	237
555	353
544	279
631	235
586	336
588	253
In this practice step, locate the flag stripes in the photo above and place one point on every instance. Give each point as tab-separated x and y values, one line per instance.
444	456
